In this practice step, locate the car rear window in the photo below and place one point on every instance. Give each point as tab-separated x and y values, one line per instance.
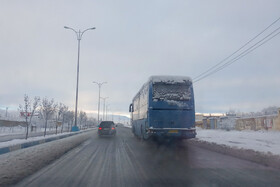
106	124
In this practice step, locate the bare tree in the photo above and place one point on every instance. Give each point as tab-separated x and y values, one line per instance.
82	117
85	120
62	110
48	108
91	122
231	112
28	110
65	110
270	110
69	118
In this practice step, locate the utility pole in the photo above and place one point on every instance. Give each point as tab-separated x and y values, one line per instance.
99	86
104	99
79	35
107	111
7	111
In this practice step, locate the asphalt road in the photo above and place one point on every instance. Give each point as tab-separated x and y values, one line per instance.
126	161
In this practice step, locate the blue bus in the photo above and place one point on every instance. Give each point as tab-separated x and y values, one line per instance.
164	108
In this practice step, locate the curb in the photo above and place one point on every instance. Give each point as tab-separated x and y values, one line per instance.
266	159
11	148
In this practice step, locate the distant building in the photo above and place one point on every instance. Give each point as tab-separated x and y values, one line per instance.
227	122
210	122
233	122
207	121
266	122
199	117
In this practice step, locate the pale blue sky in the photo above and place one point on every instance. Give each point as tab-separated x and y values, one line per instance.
134	40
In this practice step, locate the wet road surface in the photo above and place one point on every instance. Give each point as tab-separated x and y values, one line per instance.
127	161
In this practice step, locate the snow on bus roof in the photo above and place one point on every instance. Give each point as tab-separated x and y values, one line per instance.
169	79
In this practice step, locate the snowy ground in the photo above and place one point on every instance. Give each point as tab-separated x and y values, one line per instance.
22	130
16	165
263	141
127	125
12	130
31	139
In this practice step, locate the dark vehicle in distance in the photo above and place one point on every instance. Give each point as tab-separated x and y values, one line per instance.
107	128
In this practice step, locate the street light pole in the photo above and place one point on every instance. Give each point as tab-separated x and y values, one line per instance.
104	99
7	112
79	35
99	86
107	111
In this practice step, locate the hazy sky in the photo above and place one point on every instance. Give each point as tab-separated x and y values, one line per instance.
132	41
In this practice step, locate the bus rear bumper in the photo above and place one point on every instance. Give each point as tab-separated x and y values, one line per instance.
183	133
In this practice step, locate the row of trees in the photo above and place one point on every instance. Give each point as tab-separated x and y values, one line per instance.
271	110
48	109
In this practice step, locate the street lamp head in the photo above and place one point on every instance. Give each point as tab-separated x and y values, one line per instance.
65	27
99	83
92	28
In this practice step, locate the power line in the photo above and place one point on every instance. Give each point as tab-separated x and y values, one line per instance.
238	49
236	58
202	75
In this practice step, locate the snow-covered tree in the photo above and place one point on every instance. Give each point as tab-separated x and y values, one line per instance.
270	110
231	112
69	118
82	118
91	122
62	110
28	109
48	108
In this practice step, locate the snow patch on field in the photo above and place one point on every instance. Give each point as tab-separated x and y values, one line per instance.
262	141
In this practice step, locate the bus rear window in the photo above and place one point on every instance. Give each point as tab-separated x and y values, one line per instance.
171	92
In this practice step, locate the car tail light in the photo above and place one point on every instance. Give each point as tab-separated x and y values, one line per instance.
113	128
100	128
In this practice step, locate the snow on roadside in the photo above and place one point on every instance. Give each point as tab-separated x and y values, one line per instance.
4	131
31	139
263	141
127	125
16	165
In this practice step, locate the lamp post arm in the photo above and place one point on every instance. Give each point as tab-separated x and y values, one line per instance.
87	30
103	83
76	32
